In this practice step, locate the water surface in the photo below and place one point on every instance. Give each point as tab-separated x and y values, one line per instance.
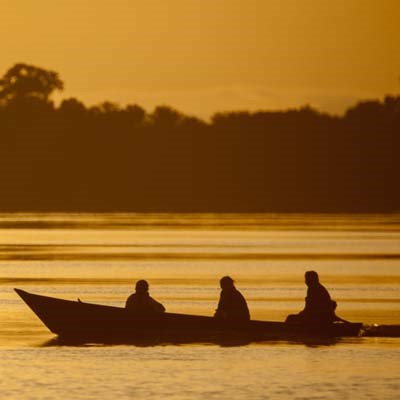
99	257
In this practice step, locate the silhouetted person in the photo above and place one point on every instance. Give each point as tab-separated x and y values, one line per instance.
319	307
141	302
232	305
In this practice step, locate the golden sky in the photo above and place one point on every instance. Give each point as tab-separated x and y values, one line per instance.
203	56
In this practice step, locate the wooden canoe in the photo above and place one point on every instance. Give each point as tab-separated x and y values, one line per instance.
87	322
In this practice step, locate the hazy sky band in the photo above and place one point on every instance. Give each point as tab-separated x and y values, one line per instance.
210	55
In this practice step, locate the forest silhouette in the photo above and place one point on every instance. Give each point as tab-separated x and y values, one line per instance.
107	158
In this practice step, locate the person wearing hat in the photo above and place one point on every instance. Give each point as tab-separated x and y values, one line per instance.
141	302
232	305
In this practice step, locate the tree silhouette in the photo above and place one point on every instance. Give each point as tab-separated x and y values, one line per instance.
120	158
165	117
72	106
27	81
135	114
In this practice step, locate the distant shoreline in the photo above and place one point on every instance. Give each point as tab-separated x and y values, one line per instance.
108	158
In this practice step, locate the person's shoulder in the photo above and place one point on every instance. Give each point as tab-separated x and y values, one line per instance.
238	293
131	296
323	291
322	287
160	307
131	299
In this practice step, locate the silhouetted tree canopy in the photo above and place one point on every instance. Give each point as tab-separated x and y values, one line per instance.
109	157
166	117
72	108
22	81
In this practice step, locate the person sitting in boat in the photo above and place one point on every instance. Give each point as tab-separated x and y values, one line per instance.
232	305
319	307
141	302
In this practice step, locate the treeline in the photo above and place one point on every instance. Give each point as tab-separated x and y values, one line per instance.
110	158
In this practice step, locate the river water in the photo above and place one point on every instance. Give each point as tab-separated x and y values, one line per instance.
98	258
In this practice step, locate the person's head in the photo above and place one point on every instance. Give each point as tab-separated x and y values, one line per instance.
142	286
311	278
226	283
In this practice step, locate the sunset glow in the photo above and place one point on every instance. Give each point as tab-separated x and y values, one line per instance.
206	56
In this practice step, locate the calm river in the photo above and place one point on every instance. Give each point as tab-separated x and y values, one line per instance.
98	258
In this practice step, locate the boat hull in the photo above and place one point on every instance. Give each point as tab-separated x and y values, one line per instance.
86	322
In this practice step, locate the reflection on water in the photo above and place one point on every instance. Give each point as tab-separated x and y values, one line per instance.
99	257
260	371
233	342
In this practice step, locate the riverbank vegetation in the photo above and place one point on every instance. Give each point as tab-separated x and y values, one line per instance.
73	157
